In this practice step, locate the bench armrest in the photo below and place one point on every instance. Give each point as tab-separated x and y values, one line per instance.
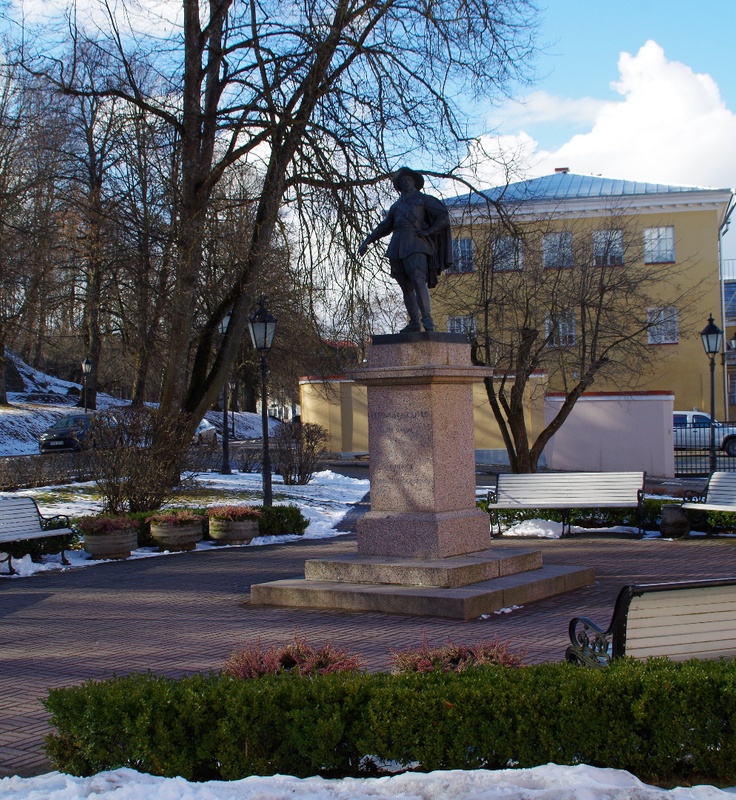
47	522
590	645
491	497
691	496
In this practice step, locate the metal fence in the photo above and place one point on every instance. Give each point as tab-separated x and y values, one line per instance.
692	452
23	472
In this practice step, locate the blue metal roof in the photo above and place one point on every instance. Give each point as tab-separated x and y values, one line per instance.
567	186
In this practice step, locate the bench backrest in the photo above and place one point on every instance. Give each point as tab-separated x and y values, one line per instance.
565	490
18	515
721	489
689	619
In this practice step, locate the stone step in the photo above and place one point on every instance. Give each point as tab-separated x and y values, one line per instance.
459	602
440	572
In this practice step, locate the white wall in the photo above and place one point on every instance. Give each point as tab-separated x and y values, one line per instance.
611	432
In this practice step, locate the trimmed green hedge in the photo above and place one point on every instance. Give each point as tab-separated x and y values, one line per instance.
665	722
588	517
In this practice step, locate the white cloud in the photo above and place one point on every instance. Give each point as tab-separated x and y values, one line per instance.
544	107
154	16
671	126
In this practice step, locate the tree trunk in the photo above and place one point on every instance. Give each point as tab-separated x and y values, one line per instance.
3	390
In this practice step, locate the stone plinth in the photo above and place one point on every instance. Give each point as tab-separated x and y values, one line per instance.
455	602
423	548
422	450
439	572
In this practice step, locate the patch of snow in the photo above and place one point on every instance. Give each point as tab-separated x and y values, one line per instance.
550	782
324	502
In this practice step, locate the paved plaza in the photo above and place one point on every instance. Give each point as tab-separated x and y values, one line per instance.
188	612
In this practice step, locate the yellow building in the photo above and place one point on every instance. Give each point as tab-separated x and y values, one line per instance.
593	271
652	250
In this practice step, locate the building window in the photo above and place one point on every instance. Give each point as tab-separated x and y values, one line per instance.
729	299
608	248
659	245
557	250
462	324
560	329
463	253
662	324
507	253
732	389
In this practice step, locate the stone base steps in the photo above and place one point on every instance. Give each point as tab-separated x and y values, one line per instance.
462	587
442	572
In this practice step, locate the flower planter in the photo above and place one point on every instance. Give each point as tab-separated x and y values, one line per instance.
232	531
675	523
115	544
176	537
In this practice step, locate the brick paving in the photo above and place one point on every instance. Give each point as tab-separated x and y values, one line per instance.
188	612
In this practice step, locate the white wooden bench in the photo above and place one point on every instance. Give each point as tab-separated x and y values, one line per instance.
20	520
566	491
719	495
681	620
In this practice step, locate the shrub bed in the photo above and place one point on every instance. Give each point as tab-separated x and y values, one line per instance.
588	517
665	722
280	520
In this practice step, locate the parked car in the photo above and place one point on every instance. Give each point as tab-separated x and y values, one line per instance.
692	432
206	433
70	432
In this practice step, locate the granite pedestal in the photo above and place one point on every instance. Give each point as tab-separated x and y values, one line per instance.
423	548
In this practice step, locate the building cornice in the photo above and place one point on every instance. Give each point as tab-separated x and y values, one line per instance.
697	200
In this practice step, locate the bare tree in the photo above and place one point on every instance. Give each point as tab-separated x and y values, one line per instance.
143	181
16	180
563	298
323	99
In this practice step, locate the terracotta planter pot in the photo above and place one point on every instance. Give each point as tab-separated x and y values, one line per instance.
116	544
230	531
177	537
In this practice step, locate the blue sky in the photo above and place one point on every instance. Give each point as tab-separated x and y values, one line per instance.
584	40
641	90
636	89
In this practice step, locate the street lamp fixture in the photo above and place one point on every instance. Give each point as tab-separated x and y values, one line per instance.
712	338
86	369
233	386
225	468
262	326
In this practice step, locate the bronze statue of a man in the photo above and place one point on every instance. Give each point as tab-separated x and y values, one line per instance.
420	246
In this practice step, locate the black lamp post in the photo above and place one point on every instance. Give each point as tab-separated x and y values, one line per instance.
86	369
712	337
233	387
262	329
225	468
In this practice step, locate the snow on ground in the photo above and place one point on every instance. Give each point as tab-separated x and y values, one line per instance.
45	398
547	529
550	782
324	501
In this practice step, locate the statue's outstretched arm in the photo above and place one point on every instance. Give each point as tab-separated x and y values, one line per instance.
383	228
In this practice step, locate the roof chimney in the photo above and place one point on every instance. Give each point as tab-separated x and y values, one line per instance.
562	169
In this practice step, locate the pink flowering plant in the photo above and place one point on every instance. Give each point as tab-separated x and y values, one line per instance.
172	516
298	658
451	657
100	525
234	513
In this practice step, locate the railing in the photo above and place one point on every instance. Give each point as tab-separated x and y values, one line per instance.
692	452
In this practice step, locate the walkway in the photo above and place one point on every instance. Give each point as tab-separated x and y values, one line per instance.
188	612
